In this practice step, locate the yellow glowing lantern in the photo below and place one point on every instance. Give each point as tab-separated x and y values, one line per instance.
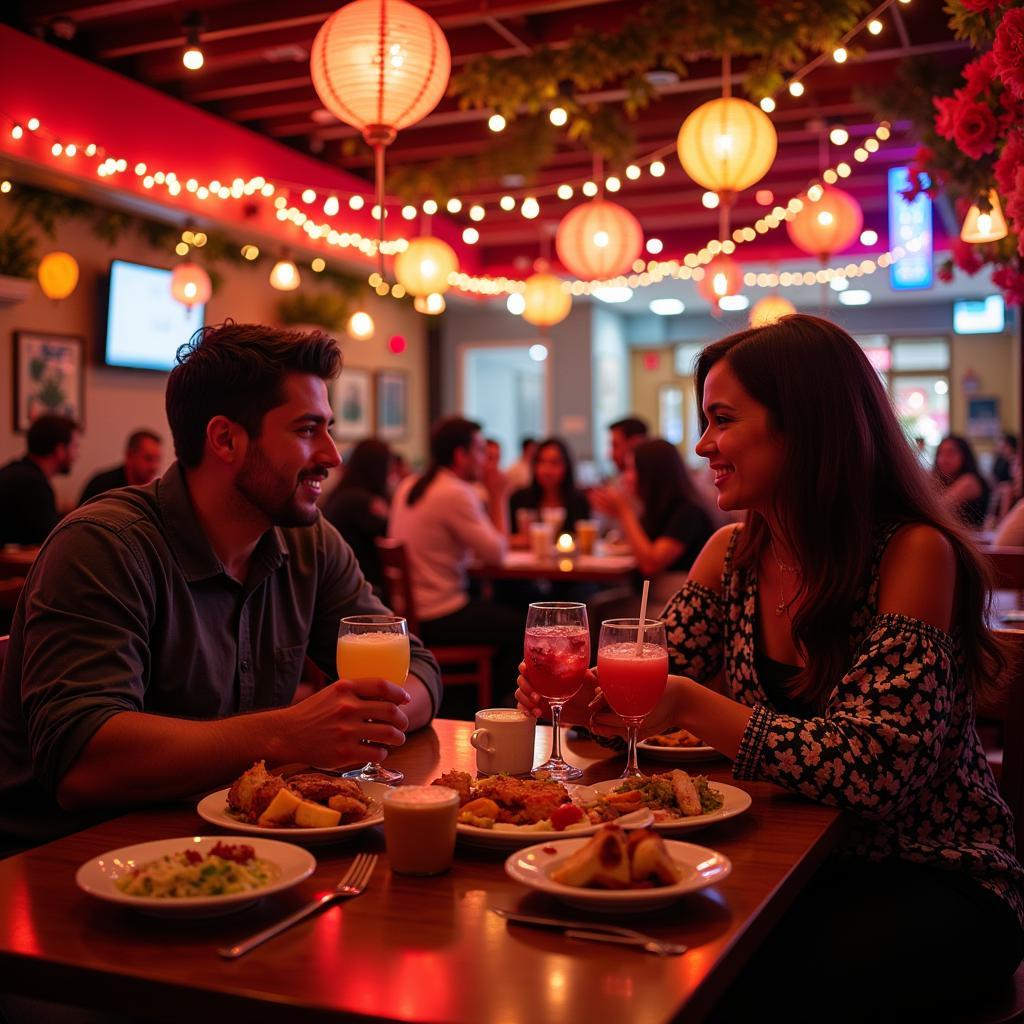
423	268
727	145
58	274
190	284
547	302
770	309
285	276
722	276
360	326
598	240
828	226
983	225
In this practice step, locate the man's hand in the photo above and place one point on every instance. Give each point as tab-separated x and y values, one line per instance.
350	721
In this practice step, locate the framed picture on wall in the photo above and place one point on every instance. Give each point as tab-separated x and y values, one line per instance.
392	405
352	401
48	377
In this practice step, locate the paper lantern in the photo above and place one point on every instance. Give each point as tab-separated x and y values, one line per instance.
190	284
380	65
828	226
285	276
58	274
360	326
722	276
546	301
425	265
770	309
432	304
987	226
727	145
598	240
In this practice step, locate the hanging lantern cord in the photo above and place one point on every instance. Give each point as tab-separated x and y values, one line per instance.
725	198
379	136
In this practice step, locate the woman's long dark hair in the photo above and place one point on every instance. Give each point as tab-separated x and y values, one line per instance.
662	484
367	468
567	488
848	471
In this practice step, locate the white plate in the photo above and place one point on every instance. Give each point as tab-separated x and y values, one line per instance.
736	801
700	867
214	809
677	755
98	877
508	837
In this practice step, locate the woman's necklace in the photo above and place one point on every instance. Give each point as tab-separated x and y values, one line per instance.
783	605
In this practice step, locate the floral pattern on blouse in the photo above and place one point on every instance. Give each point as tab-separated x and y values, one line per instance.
895	744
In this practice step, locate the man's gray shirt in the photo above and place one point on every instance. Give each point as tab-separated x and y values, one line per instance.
127	608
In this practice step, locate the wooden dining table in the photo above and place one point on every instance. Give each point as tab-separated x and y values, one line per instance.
408	949
572	568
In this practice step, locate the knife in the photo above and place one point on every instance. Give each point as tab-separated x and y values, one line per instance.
595	931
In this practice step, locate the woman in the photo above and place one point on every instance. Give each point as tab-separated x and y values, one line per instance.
358	506
674	525
553	486
963	489
830	615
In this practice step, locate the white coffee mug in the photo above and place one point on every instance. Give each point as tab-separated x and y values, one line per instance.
504	740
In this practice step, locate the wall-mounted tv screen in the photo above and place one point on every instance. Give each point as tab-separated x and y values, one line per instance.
145	323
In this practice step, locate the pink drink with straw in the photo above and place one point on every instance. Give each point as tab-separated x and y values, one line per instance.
632	680
556	659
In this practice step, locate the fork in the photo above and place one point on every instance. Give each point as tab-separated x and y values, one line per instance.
352	883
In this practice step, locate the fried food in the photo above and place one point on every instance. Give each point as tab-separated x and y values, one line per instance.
610	860
253	791
503	799
675	738
307	800
461	782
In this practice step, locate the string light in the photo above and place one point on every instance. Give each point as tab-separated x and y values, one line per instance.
657	169
558	116
839	136
796	88
767	104
875	27
839	54
564	192
496	123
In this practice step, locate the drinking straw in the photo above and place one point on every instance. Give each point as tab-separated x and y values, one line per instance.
643	619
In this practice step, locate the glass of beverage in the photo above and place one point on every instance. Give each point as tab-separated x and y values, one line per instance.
557	652
586	535
632	671
374	647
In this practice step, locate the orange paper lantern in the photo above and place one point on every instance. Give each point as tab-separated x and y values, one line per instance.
380	65
547	302
828	226
722	276
770	309
425	265
58	274
190	284
598	240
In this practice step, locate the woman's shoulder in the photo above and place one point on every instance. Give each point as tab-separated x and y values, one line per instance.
710	563
917	574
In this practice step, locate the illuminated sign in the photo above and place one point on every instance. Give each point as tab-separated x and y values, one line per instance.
983	316
910	225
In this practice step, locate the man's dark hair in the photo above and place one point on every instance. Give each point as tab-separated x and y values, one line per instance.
135	440
238	371
631	426
47	432
1010	440
524	446
447	437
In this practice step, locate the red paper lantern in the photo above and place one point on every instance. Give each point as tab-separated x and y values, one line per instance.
828	226
190	284
722	276
598	240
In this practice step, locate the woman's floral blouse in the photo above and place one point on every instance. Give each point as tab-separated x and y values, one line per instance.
895	744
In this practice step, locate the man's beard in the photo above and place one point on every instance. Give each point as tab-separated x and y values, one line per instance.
272	493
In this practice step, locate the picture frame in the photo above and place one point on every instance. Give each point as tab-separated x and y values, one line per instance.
392	405
49	377
352	404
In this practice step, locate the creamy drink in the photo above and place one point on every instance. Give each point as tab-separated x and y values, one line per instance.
419	828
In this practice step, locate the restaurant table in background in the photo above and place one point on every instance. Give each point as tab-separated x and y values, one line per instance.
423	949
15	560
524	565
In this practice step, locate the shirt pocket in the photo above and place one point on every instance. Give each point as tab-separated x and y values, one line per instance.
288	664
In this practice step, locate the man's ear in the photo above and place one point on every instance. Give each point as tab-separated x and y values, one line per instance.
225	439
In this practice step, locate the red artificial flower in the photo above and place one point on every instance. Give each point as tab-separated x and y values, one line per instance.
978	75
1008	51
945	272
945	115
981	6
975	131
1011	282
1010	160
1015	209
966	258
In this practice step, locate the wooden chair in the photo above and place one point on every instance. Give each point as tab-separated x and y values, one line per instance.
468	664
1008	567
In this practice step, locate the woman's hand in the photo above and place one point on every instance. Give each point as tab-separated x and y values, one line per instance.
575	711
609	501
666	714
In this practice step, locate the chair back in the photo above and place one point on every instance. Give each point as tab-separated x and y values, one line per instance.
4	641
397	583
1008	567
1008	709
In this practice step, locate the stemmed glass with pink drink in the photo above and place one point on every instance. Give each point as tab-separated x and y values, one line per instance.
632	671
557	652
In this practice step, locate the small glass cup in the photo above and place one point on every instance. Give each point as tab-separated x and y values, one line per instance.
419	828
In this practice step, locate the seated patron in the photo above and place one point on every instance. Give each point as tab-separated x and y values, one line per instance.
962	489
142	457
553	486
28	506
163	629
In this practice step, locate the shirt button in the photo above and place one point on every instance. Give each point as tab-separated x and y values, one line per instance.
244	666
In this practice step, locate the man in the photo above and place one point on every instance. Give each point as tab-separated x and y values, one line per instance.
142	458
625	435
153	617
28	506
443	525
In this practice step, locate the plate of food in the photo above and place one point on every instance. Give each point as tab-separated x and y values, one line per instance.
677	745
310	807
616	871
196	876
503	811
680	802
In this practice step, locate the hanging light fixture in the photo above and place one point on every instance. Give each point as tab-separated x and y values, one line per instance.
770	309
190	284
58	274
722	276
432	304
827	226
598	240
285	275
192	56
423	268
360	326
546	302
984	225
380	66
